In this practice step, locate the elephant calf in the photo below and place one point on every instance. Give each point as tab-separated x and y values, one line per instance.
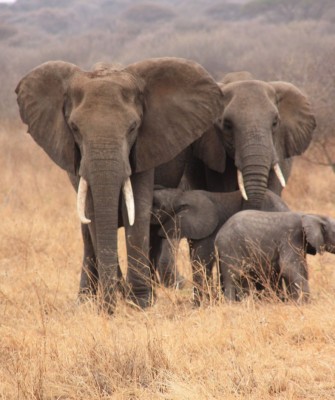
271	248
198	215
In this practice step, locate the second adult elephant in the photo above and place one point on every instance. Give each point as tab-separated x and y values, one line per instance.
198	215
111	130
261	127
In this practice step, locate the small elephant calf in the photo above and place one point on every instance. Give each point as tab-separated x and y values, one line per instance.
271	247
198	215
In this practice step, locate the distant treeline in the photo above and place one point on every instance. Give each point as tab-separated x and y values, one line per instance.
292	40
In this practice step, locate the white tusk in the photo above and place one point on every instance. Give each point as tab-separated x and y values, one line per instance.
81	201
279	174
129	199
241	184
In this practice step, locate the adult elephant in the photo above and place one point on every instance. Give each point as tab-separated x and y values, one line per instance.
109	129
262	125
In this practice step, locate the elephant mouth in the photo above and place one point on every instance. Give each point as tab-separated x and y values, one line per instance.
240	180
127	191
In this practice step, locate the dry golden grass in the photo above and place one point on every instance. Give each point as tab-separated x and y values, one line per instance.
51	348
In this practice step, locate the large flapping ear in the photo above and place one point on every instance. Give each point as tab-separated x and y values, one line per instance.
210	150
181	101
297	121
196	216
313	226
40	95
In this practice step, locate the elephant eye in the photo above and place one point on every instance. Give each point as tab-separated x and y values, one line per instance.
275	122
132	127
180	207
74	128
227	124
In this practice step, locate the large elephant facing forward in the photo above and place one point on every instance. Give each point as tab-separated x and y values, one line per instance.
262	125
109	129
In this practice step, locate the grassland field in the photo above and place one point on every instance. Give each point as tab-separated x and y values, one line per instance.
52	348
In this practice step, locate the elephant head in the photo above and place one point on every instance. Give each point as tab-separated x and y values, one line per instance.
319	232
261	124
110	123
191	213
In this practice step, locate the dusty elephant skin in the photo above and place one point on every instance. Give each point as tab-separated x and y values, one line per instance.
261	127
271	245
106	126
198	215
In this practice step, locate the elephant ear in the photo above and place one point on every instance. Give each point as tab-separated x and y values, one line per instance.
40	95
297	121
313	227
181	101
196	217
210	150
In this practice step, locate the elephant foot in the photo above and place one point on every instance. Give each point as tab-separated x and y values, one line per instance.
86	294
142	299
180	282
176	282
105	306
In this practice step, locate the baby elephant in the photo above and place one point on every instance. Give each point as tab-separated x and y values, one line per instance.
198	215
271	248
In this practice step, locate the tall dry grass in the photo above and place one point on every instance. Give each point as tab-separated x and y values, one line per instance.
51	348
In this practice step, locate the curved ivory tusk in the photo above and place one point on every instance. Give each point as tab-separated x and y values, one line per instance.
241	184
279	174
81	201
129	199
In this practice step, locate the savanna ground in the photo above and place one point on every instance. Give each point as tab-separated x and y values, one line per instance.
51	348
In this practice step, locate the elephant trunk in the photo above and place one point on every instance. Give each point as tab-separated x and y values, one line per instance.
106	177
127	194
255	181
253	172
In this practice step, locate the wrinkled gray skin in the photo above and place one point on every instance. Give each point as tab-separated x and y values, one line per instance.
261	124
110	124
272	247
198	215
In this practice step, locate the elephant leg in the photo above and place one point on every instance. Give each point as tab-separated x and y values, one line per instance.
228	277
202	259
197	274
89	273
162	260
154	251
167	267
294	272
168	175
137	239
